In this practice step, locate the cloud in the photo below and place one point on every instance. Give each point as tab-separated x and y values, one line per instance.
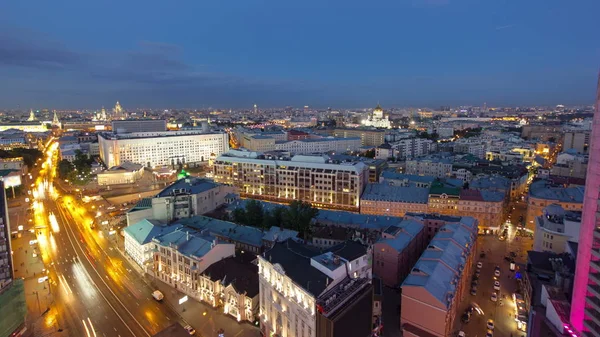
505	27
33	52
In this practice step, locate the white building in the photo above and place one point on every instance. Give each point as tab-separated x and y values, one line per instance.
300	287
432	166
554	228
377	119
320	145
185	198
188	197
126	173
182	255
138	240
406	149
138	125
153	149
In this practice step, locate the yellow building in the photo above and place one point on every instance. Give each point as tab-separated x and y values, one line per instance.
443	200
488	207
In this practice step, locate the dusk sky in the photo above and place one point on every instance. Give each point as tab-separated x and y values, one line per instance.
232	54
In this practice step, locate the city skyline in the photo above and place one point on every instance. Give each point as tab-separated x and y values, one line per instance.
414	53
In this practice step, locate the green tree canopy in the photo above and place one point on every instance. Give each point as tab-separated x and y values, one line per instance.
299	216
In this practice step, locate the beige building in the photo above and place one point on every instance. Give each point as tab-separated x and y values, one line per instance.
488	207
554	228
126	173
258	143
543	194
384	199
314	179
368	137
231	286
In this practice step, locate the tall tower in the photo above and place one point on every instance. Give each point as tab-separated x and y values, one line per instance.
103	114
255	109
585	303
117	111
31	116
55	120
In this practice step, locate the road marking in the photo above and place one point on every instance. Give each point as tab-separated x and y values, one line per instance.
61	212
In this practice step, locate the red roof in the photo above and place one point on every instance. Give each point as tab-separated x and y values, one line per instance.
473	195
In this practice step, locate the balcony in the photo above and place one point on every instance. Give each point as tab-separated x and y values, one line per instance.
594	329
595	265
594	302
597	233
595	277
594	315
596	253
594	289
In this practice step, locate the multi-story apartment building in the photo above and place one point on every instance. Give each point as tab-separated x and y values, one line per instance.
183	254
476	147
383	199
577	140
438	167
543	194
406	149
585	308
138	125
152	149
437	283
555	228
443	200
400	179
184	198
488	207
398	250
138	240
231	285
307	293
314	179
434	222
319	145
369	137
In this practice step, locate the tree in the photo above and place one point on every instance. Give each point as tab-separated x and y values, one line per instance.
299	216
273	218
238	215
64	168
254	213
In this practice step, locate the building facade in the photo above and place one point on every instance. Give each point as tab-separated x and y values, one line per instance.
384	199
126	173
436	167
555	228
322	145
488	207
168	148
368	137
313	179
585	307
138	125
542	194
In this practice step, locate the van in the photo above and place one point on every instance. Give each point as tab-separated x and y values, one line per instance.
158	295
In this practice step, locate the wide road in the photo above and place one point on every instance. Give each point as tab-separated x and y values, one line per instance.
94	293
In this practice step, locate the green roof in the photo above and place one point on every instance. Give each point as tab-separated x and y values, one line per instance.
13	309
4	173
440	189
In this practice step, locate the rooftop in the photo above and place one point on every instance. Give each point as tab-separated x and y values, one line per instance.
187	241
239	233
384	192
144	231
295	258
542	189
188	185
239	271
144	203
349	250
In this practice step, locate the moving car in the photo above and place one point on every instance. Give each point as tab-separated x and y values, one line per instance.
158	295
494	297
490	324
190	330
496	285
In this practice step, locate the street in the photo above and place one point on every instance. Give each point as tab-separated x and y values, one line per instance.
501	312
91	288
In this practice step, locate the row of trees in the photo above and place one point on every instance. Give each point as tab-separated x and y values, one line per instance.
79	171
30	156
297	216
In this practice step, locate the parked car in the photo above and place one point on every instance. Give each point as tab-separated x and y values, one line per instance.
489	333
461	334
497	285
479	265
497	273
490	324
466	317
474	291
190	330
494	297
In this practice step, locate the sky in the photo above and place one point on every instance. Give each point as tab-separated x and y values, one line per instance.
73	54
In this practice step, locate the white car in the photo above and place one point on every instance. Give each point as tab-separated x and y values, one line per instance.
494	297
461	334
490	324
497	273
479	265
190	330
496	285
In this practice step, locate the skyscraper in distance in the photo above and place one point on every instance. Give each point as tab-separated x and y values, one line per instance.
585	304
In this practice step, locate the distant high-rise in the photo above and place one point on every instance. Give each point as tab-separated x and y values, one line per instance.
585	304
255	108
118	111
